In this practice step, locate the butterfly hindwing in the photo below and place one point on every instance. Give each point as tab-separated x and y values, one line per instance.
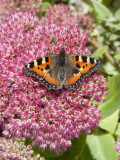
73	81
50	82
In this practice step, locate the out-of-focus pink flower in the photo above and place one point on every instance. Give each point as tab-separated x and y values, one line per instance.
50	118
61	14
8	7
117	147
10	149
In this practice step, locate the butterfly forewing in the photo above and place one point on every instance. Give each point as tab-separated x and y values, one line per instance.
85	64
38	68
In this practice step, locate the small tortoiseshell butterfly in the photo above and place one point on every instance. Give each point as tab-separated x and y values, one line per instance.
56	71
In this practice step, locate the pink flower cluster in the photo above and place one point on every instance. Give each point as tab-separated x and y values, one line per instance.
12	43
61	14
50	118
16	150
8	7
117	148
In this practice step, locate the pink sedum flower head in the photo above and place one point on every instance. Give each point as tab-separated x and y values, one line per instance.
117	148
16	150
61	14
8	7
50	118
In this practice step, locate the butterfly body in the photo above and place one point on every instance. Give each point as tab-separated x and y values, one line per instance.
60	70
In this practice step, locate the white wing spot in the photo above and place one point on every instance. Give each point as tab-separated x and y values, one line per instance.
28	65
43	61
35	63
95	60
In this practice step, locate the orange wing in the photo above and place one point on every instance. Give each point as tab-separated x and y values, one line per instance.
38	68
51	82
83	66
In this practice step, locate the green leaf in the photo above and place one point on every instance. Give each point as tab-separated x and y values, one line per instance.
44	6
113	37
102	146
86	154
52	154
110	69
117	15
99	52
116	44
112	103
102	10
115	26
117	56
118	130
110	123
73	153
